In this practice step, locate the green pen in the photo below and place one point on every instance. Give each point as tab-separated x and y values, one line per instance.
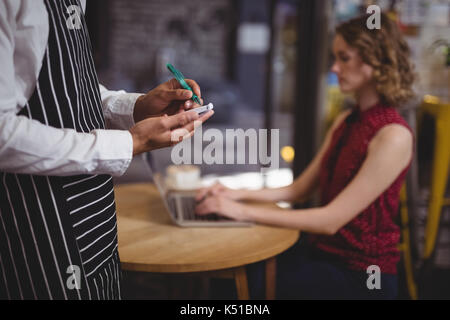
180	78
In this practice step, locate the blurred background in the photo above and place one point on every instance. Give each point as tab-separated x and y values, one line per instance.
265	64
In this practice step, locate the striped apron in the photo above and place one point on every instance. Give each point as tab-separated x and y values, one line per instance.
58	235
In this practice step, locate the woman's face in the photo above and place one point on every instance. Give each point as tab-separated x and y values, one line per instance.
352	72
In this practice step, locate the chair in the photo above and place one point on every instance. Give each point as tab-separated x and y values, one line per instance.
409	218
440	170
405	246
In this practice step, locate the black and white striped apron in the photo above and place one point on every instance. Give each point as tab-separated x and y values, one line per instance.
49	224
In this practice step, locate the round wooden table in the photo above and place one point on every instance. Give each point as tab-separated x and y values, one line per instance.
150	242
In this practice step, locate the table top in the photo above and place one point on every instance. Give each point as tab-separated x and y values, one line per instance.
150	242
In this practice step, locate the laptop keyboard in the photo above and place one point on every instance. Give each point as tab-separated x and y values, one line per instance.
188	205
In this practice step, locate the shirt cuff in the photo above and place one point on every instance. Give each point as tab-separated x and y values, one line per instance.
120	110
115	151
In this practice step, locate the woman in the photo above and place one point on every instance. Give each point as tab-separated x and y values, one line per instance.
359	170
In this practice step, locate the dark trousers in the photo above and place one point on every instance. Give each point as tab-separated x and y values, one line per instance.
305	273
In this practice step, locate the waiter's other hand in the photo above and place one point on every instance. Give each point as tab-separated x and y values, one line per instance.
167	98
166	131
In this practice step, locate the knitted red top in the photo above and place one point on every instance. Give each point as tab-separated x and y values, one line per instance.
372	237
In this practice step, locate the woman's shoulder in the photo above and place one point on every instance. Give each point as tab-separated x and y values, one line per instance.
387	123
393	141
393	133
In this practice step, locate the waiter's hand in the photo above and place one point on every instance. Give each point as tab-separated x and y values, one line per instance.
167	98
160	132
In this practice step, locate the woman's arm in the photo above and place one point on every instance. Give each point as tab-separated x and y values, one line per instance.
302	187
299	190
389	153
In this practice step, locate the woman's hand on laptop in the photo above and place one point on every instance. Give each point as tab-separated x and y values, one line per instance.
222	206
166	131
219	189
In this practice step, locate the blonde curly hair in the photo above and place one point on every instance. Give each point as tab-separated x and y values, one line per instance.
387	53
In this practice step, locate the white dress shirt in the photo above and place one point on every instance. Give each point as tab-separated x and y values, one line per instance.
30	147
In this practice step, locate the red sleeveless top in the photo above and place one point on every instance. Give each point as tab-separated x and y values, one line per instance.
372	237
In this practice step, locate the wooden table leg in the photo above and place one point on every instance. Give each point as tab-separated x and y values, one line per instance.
271	280
240	278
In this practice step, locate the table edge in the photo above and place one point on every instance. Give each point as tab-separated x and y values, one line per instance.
201	267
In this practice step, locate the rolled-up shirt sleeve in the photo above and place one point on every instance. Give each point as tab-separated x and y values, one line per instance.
118	108
28	146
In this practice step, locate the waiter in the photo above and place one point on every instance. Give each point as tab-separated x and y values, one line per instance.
62	138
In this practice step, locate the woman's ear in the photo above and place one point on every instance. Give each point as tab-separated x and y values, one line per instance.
367	71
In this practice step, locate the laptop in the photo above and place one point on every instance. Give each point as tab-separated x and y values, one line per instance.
181	207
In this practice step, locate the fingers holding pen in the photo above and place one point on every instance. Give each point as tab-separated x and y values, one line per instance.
180	94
